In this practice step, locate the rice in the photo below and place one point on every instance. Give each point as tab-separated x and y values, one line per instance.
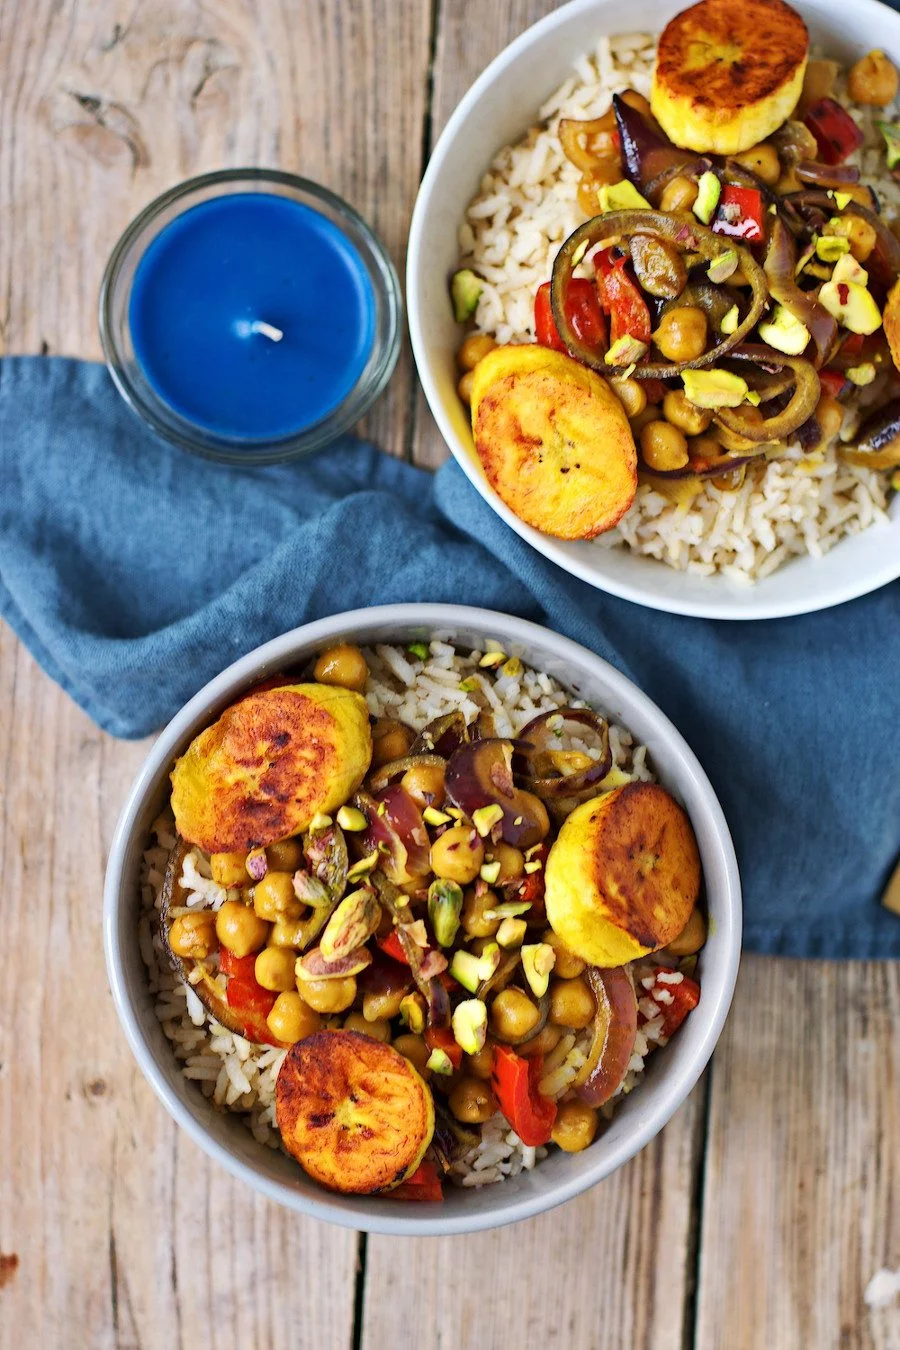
240	1076
525	209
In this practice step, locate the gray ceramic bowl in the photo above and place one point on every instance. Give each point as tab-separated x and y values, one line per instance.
671	1074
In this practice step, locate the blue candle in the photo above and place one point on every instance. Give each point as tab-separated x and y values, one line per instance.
252	316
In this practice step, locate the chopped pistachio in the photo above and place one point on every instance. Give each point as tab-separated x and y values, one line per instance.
413	1011
439	1062
709	190
861	375
486	817
538	959
847	298
465	290
490	871
625	350
469	1023
519	820
468	685
257	863
381	809
352	924
465	970
455	812
432	816
730	320
511	933
842	200
829	247
492	659
534	865
753	397
723	267
773	209
891	133
622	196
579	253
445	901
363	867
351	819
419	650
714	388
512	667
509	909
535	848
320	821
784	332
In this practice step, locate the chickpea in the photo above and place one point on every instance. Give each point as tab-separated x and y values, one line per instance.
546	1040
731	440
692	936
679	194
285	856
291	1019
390	740
474	349
762	160
534	810
343	665
465	386
425	784
630	393
681	334
274	898
873	80
472	1101
511	860
379	1029
830	417
650	414
274	969
664	446
571	1004
240	929
194	935
575	1127
481	1065
328	996
379	1004
567	966
472	914
457	855
414	1049
229	869
684	415
704	448
513	1015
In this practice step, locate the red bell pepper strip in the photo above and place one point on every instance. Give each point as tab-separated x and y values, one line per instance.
442	1038
833	382
740	214
621	298
244	967
392	947
583	310
515	1083
836	133
424	1184
684	996
246	996
530	890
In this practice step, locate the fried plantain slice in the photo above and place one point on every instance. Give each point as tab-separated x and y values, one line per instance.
354	1113
553	440
623	875
728	73
272	762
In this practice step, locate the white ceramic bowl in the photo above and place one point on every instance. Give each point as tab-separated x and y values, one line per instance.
671	1074
496	111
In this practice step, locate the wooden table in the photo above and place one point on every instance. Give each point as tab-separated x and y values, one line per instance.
757	1218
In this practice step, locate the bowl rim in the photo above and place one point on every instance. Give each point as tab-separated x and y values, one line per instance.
117	904
865	12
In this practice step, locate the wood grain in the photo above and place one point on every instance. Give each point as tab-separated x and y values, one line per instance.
613	1268
105	103
800	1193
126	1235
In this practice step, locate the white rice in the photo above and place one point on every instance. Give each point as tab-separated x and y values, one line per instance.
239	1075
525	209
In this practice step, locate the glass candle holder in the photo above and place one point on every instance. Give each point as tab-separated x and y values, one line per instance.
250	316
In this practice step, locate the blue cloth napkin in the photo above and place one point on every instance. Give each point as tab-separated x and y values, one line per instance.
134	573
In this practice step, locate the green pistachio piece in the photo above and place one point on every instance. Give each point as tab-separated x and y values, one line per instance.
511	933
486	817
465	292
714	388
351	925
445	901
469	1023
413	1011
352	819
419	650
622	196
783	332
625	350
538	959
709	190
439	1062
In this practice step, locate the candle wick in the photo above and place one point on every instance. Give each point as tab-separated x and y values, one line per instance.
267	330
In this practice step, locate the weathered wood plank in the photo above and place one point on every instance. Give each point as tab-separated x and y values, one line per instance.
126	1235
800	1193
610	1269
105	104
